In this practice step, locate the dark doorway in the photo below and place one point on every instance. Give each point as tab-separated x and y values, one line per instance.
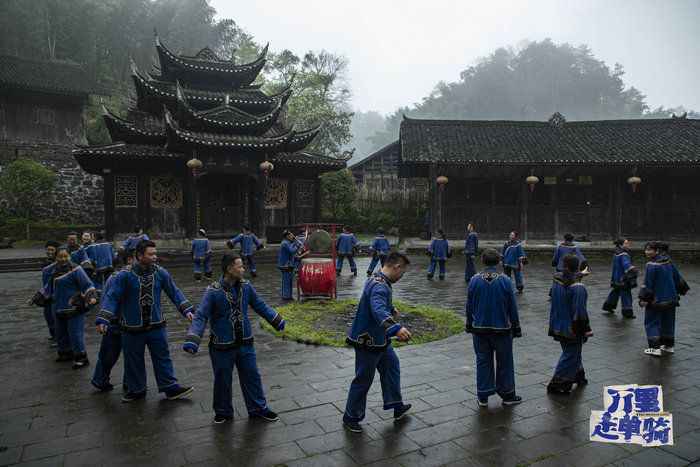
222	203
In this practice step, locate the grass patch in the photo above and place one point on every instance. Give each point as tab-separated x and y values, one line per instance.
327	322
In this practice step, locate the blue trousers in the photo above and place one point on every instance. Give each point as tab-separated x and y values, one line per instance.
376	259
110	349
50	320
70	334
243	358
339	263
625	296
366	364
134	347
249	261
435	262
469	268
490	380
515	273
202	265
660	326
570	362
287	284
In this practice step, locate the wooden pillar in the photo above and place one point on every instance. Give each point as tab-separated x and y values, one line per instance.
317	199
649	204
291	204
433	197
612	209
108	200
257	217
189	198
524	204
618	206
144	202
555	210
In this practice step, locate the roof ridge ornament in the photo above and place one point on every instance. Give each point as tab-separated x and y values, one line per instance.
557	120
682	116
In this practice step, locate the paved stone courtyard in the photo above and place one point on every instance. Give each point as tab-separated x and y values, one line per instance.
50	416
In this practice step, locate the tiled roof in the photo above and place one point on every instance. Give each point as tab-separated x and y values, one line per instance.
556	142
56	77
124	151
308	159
388	149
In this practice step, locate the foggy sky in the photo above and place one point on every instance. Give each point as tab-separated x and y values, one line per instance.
398	50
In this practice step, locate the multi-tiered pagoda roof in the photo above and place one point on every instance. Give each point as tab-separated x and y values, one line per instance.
206	104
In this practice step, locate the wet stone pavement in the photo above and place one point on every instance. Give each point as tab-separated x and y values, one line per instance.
50	415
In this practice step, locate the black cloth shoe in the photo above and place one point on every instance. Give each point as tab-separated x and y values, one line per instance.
80	361
179	393
400	412
268	416
512	400
106	388
133	396
629	314
352	427
64	357
219	419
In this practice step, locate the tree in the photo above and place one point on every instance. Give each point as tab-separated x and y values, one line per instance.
338	193
22	182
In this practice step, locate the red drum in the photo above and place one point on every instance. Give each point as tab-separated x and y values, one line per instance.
317	278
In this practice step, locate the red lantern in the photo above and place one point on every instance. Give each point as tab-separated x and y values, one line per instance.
634	181
531	181
266	167
442	181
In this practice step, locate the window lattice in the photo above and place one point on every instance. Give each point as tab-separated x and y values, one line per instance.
305	190
126	191
166	192
276	193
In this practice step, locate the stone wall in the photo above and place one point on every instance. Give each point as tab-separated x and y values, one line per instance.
77	197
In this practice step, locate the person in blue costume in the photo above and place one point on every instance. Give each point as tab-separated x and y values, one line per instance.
225	306
110	345
374	325
201	256
514	259
565	248
77	254
623	280
471	248
101	257
249	245
346	246
569	325
286	259
70	292
135	295
380	249
660	296
51	247
129	244
303	249
438	250
683	287
493	322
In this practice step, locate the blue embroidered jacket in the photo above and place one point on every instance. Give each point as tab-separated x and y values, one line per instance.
346	243
568	317
249	244
225	307
79	256
439	248
200	248
286	256
491	307
624	274
563	249
380	246
67	288
662	284
101	256
471	244
513	254
133	240
137	291
374	323
114	321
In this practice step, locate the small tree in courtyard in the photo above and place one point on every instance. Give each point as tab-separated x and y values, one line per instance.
338	194
22	183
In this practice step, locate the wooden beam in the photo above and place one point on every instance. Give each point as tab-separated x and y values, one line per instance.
108	182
